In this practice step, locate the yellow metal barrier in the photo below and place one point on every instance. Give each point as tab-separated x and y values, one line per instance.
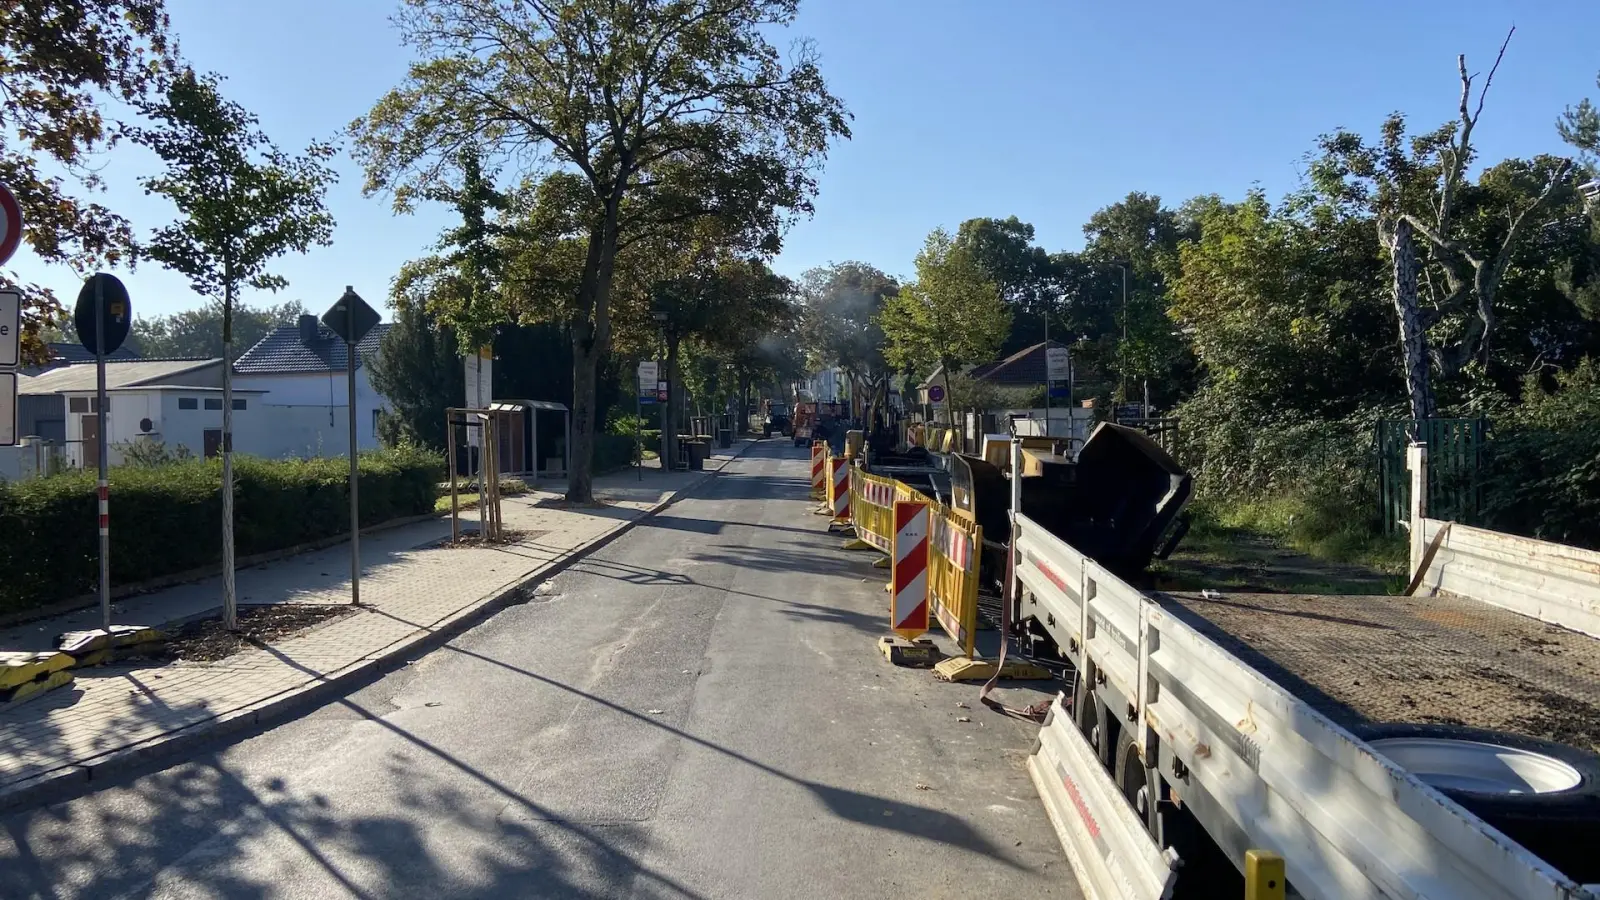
872	508
954	546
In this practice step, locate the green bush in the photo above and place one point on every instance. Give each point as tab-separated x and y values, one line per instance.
1542	474
166	519
612	452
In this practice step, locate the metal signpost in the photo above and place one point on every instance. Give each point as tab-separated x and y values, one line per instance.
351	318
644	393
1058	367
10	319
102	317
10	351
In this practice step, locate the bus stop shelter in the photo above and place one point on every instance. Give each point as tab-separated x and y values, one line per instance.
535	437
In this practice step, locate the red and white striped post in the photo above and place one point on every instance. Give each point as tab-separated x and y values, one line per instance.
819	469
908	579
841	488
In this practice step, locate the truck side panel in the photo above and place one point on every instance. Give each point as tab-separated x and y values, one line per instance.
1348	822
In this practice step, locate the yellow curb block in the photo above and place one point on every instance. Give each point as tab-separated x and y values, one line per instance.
34	688
963	669
22	667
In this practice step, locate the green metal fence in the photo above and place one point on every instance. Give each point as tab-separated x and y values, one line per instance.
1455	459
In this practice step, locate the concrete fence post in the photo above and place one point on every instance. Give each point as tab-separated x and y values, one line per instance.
1417	465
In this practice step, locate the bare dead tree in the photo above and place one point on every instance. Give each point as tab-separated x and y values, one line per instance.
1469	279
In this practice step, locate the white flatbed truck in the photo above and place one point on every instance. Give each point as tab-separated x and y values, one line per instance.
1205	733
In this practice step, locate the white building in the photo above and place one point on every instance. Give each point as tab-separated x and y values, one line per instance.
179	404
302	366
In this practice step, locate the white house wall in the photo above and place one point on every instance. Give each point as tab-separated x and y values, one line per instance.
282	432
322	391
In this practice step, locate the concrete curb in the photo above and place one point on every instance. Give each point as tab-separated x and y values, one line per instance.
75	778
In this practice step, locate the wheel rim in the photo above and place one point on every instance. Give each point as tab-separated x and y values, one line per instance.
1478	767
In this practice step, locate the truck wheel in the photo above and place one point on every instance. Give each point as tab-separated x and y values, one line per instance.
1132	776
1085	710
1541	794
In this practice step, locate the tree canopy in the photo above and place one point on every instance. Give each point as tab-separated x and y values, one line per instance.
59	61
646	114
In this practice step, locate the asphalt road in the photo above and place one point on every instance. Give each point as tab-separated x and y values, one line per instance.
695	711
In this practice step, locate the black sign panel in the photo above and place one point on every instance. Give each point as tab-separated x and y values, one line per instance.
350	317
114	318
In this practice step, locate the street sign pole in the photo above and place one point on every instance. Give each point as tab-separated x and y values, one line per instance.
355	471
101	416
351	318
638	428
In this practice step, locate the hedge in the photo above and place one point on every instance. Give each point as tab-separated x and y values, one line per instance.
166	519
612	452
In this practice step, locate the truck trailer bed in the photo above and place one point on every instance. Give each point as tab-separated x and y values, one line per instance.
1440	659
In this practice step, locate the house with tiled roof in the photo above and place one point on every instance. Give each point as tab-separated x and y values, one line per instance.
304	365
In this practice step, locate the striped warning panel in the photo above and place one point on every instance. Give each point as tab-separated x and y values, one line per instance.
841	488
908	580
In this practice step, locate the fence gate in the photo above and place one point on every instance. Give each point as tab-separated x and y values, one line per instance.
1455	457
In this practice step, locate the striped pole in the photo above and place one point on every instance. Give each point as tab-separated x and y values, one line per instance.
908	581
819	467
841	488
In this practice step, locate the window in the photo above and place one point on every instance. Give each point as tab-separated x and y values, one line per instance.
188	403
238	404
83	404
375	414
213	403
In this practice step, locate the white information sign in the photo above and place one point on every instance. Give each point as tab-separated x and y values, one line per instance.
649	374
480	387
10	328
1058	363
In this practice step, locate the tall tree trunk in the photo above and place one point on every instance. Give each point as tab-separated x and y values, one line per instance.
591	338
1413	335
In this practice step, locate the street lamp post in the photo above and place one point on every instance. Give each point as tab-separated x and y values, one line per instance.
1122	355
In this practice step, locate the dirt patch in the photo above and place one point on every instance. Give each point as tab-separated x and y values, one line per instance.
206	640
507	536
564	503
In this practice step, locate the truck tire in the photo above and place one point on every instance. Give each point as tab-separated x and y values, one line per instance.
1541	794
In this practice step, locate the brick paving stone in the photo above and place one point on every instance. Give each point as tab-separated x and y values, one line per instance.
410	583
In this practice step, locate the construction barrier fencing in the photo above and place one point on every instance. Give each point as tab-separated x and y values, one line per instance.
955	543
954	546
872	508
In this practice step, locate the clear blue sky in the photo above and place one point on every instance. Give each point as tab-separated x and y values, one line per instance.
1044	109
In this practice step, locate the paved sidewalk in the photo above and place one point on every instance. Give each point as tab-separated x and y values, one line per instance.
412	586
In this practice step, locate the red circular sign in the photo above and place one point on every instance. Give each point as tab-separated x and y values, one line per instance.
10	224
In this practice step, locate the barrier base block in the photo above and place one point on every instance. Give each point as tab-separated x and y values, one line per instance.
962	669
857	544
918	654
823	510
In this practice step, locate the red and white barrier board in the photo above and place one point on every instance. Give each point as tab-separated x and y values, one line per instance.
908	580
819	467
841	488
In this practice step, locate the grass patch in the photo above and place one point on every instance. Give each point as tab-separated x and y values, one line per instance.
1282	545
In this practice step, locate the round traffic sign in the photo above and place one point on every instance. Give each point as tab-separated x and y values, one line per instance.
10	224
111	313
935	393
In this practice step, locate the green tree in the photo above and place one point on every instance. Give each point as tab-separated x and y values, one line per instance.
242	203
653	112
418	370
59	61
1580	126
1029	279
1447	268
951	316
839	310
198	332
